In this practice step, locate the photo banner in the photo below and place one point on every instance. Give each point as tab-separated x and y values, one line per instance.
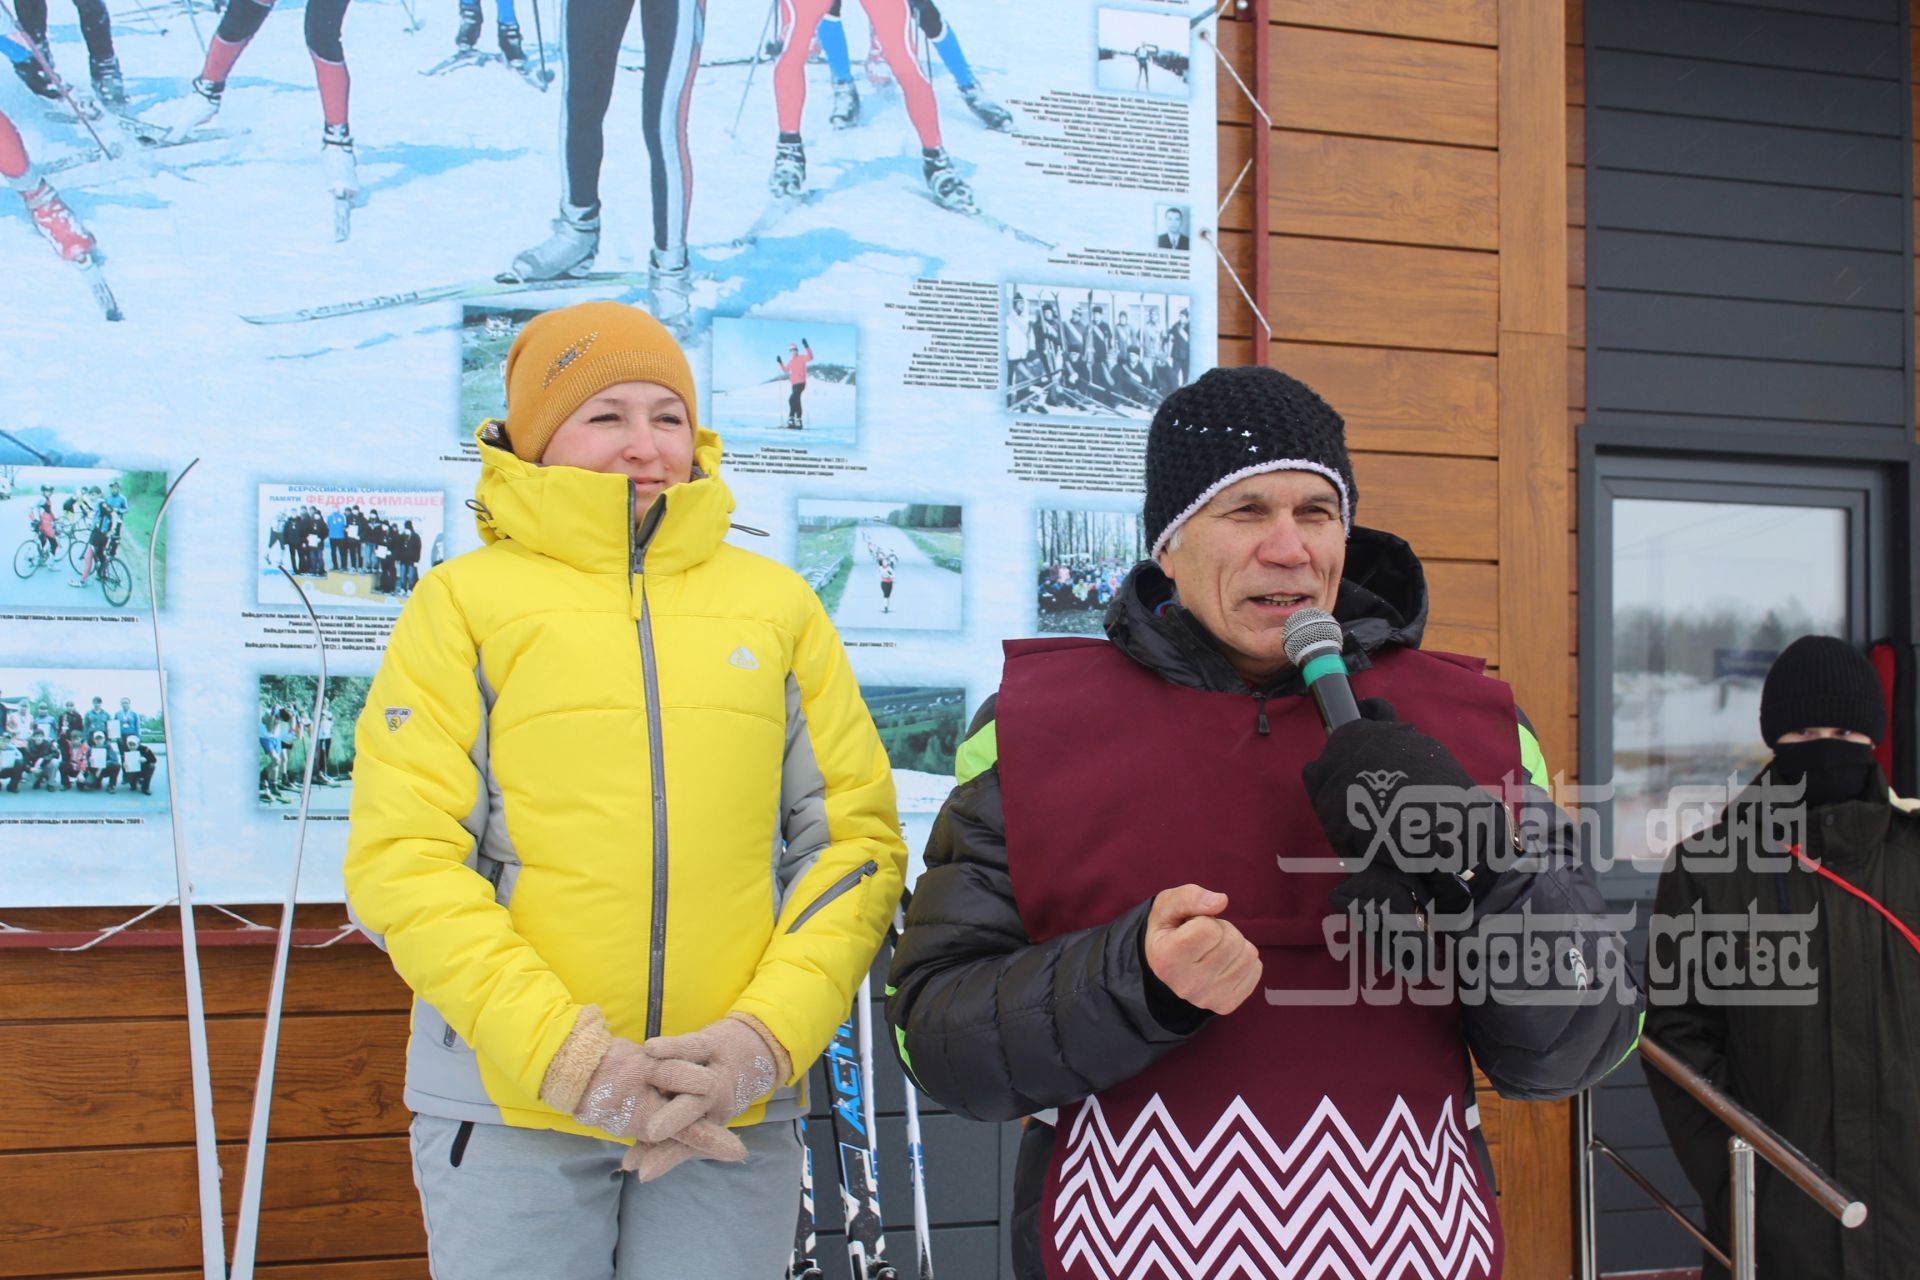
934	263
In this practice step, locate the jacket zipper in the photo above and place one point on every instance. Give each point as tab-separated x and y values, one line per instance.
657	957
832	891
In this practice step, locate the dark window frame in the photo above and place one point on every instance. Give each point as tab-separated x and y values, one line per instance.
1877	481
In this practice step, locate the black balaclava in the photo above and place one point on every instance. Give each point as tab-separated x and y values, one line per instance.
1834	768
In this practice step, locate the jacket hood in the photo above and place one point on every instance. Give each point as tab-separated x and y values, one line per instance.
1382	601
584	518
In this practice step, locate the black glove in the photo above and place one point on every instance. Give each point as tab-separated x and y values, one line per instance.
1424	851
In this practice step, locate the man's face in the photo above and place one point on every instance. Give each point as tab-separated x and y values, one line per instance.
126	704
1258	553
96	704
1176	222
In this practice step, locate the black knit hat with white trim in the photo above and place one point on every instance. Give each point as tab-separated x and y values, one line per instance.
1821	682
1229	424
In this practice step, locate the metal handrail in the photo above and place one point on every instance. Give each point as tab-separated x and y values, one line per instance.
1751	1135
1777	1151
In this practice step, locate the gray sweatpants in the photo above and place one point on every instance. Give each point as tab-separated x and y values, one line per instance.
532	1202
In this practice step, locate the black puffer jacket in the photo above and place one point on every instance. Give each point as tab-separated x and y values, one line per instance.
1840	1077
995	1027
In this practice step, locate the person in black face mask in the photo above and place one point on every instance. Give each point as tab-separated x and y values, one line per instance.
1818	1031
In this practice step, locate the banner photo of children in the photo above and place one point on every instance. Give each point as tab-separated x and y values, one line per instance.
1093	353
920	726
883	564
77	538
784	381
1083	556
286	732
84	743
353	548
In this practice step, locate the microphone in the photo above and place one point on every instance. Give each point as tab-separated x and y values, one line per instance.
1313	641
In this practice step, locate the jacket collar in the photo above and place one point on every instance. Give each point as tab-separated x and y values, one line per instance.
584	518
1382	601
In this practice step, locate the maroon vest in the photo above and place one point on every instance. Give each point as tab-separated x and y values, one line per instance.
1303	1134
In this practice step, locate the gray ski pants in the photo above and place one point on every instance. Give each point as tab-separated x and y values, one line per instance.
525	1203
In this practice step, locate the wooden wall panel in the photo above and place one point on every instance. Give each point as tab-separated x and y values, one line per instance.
1465	617
1446	508
1459	21
1384	295
1399	401
1380	87
1393	192
337	1075
128	1208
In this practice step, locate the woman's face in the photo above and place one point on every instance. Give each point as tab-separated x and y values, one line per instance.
640	430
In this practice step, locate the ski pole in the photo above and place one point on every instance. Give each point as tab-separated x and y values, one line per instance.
247	1229
546	76
413	19
33	48
213	1246
759	48
916	1152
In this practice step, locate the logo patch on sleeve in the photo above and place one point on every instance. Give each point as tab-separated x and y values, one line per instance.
397	716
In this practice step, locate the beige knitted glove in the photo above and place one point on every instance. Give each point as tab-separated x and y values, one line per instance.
703	1138
742	1061
613	1084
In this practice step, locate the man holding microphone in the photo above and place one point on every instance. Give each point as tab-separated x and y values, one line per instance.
1164	973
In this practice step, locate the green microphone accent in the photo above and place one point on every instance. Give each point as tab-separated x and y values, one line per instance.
1325	665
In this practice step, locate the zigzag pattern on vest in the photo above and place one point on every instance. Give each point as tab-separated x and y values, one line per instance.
1239	1203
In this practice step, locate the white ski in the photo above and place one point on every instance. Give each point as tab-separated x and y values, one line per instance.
450	293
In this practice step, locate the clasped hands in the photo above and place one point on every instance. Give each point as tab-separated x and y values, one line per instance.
676	1093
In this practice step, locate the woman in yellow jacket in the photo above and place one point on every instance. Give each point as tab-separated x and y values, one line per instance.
625	827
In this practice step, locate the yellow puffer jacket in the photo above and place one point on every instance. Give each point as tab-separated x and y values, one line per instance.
658	792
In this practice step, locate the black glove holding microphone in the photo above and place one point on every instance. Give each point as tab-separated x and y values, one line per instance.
1458	830
1440	839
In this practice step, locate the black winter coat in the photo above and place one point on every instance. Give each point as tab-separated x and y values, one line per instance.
1839	1078
997	1027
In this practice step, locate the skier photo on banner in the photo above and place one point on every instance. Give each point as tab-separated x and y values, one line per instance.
51	216
891	23
96	29
832	41
1143	52
591	31
794	365
506	33
238	25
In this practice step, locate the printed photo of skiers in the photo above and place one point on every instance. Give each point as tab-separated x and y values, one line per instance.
788	382
1084	556
286	733
85	743
351	548
921	727
81	541
882	565
486	334
1144	52
1092	353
